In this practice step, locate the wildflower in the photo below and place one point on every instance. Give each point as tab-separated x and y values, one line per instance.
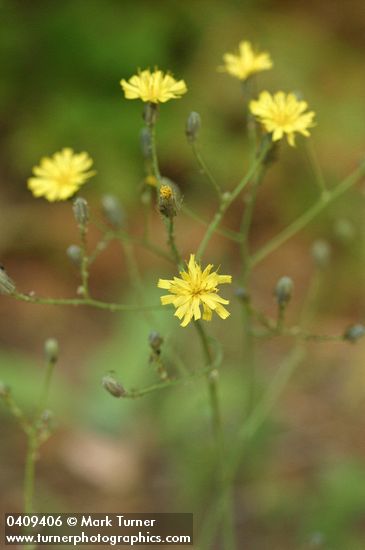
59	177
247	62
155	87
195	288
166	201
282	114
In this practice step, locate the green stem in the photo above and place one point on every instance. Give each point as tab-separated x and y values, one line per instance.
155	164
84	262
324	201
91	302
227	200
227	233
170	229
167	384
316	168
205	170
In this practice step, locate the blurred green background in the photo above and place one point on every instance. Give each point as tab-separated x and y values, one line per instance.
302	484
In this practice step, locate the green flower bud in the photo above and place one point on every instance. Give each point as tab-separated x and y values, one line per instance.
112	386
345	230
74	254
284	290
192	127
242	294
7	286
51	350
321	253
155	340
81	211
112	210
354	333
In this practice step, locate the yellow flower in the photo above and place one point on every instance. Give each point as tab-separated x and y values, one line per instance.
195	288
166	192
59	177
155	87
247	62
282	114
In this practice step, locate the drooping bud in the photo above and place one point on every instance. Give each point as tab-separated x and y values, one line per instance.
112	386
74	254
150	113
112	210
321	253
7	286
166	201
146	145
51	350
354	332
345	230
284	290
242	294
155	340
192	127
81	211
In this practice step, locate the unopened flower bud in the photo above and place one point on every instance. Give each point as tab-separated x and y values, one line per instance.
192	127
51	350
354	333
321	253
146	145
242	294
74	254
284	290
112	210
155	340
345	230
112	386
7	286
4	390
81	211
166	201
150	113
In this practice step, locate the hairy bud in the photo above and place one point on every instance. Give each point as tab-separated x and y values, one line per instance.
192	127
51	350
155	340
112	210
81	211
74	254
321	253
112	386
354	332
284	290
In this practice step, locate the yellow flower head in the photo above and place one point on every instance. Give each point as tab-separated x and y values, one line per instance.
247	62
155	87
59	177
282	114
195	288
166	192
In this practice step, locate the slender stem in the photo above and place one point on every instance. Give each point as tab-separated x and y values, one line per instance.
167	384
84	261
91	302
227	200
227	233
169	224
16	411
325	199
45	390
155	164
316	167
204	169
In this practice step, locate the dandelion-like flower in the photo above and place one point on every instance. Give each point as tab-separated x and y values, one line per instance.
59	177
282	114
193	289
247	62
155	87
